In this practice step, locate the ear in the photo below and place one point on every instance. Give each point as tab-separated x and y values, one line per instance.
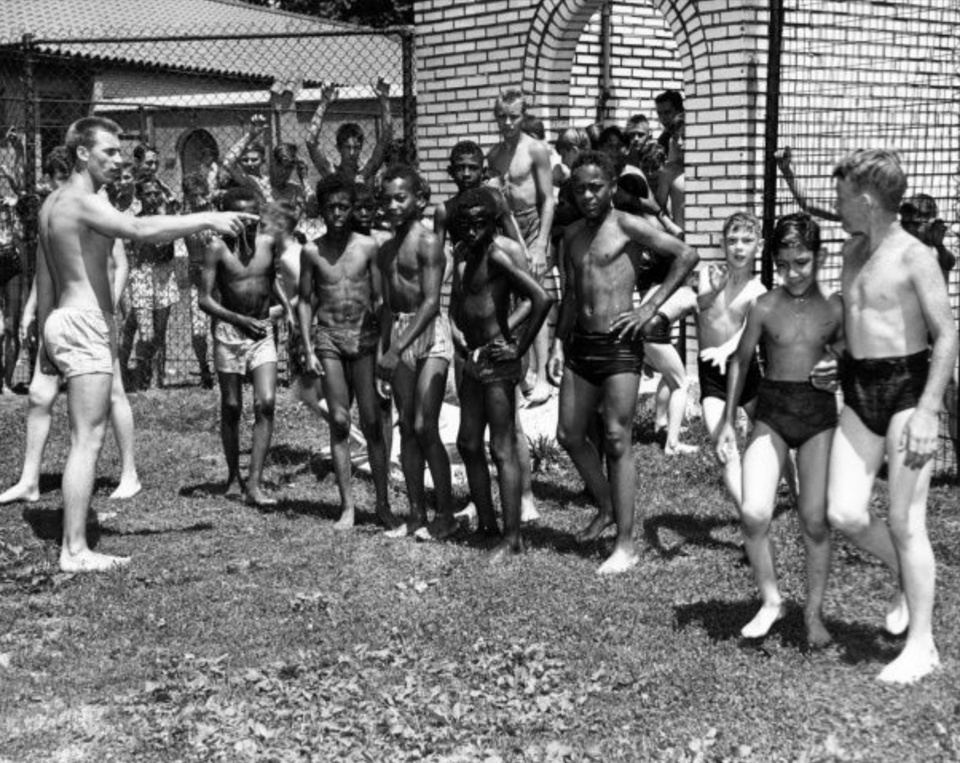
422	201
83	153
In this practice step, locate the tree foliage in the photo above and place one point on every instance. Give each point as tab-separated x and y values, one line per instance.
375	13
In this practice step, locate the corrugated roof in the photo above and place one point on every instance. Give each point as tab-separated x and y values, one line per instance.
114	26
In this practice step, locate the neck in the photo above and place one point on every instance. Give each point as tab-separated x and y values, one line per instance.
880	229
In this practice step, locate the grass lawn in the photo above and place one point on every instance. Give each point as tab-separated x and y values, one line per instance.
240	634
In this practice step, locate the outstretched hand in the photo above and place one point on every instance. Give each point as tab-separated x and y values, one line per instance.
382	88
328	92
258	123
231	223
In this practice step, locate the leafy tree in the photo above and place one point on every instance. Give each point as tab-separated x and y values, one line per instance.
375	13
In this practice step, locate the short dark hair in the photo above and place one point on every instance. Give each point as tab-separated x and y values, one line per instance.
408	173
236	194
795	229
612	132
195	183
58	162
142	181
141	149
83	133
673	97
597	159
467	148
475	198
332	184
533	127
285	153
348	130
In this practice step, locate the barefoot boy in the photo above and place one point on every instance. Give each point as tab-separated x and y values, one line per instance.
485	278
524	164
725	295
895	304
795	323
339	274
236	285
418	347
599	342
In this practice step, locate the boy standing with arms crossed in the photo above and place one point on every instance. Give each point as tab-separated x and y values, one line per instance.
339	273
417	348
486	277
895	304
600	344
796	324
725	295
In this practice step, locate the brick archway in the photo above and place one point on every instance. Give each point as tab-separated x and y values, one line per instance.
556	29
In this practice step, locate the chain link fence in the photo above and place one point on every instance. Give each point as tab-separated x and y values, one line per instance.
863	75
184	102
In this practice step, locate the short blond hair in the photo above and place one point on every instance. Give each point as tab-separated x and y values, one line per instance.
877	171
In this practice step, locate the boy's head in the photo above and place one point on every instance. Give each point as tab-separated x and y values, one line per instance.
349	144
637	131
466	165
149	193
280	217
336	198
147	158
570	143
475	216
403	193
796	252
251	160
365	206
741	240
593	180
196	190
57	166
509	110
285	156
240	198
868	179
669	105
533	127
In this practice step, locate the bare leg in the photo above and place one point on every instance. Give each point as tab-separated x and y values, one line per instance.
311	395
813	459
908	513
161	318
762	464
528	504
89	397
368	406
855	456
666	360
412	460
539	354
121	417
231	407
44	389
264	404
337	394
500	402
578	404
473	423
617	410
199	342
732	472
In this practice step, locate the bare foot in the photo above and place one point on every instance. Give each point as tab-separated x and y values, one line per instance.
256	497
485	534
898	616
400	531
913	664
680	449
818	636
504	550
540	393
388	518
468	513
234	487
596	527
763	621
528	509
126	489
346	520
90	561
619	562
442	527
20	492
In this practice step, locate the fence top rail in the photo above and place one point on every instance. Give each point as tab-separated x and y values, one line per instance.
31	41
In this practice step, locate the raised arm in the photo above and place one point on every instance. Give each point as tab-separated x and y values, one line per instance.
231	160
783	158
382	88
328	94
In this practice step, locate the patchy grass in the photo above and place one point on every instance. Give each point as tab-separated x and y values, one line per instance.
240	634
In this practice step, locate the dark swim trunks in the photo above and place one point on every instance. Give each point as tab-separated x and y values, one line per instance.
713	381
795	410
596	355
657	331
346	343
480	367
877	388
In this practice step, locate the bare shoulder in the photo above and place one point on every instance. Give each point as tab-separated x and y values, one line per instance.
754	289
505	251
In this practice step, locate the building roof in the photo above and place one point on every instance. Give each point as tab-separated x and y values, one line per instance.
188	35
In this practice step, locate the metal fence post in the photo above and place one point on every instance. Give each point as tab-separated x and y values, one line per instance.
772	131
31	135
409	99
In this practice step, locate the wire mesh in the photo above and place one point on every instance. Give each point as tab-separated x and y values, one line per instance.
191	98
873	74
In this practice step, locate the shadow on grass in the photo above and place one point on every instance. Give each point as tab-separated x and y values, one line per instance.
47	524
692	529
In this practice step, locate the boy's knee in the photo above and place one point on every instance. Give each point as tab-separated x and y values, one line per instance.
231	410
569	439
502	451
340	423
616	441
816	529
426	432
847	522
470	448
265	407
754	519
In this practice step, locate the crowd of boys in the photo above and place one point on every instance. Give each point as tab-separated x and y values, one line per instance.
362	304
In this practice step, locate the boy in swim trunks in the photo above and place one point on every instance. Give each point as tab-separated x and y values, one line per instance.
524	165
486	278
725	295
599	342
796	323
895	304
241	273
417	348
339	274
